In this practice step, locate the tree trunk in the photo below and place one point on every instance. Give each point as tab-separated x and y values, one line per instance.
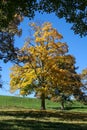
62	105
43	101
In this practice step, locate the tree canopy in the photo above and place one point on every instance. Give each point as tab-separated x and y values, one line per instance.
45	66
74	11
8	51
13	12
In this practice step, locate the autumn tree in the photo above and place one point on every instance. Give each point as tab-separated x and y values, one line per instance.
69	83
46	65
12	13
84	76
84	87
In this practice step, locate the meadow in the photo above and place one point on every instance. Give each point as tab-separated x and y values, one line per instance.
17	113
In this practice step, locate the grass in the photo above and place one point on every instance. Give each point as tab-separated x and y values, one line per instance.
24	114
23	102
42	120
10	102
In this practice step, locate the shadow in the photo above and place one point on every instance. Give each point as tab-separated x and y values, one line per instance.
54	108
78	108
38	125
63	115
68	108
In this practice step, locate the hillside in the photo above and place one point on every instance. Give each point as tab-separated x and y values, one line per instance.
11	102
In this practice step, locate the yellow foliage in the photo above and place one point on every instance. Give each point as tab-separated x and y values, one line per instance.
46	62
22	92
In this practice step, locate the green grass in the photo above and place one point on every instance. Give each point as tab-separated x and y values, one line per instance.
24	114
11	102
23	102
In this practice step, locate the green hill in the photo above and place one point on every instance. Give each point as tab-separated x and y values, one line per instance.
11	102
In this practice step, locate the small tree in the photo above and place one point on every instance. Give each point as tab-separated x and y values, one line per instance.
45	65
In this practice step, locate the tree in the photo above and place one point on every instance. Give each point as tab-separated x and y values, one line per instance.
62	99
70	82
84	79
45	65
0	79
7	49
84	76
74	11
8	9
84	87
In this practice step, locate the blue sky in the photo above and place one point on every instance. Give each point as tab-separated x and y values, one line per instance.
77	45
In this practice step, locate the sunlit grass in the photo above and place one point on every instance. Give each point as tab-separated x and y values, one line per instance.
14	103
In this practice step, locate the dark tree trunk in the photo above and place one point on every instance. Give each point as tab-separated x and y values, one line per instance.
62	105
43	101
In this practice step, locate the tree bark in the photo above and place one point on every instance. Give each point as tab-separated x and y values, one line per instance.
43	102
62	105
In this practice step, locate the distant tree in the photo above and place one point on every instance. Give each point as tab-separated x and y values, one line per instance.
63	99
84	76
84	87
70	83
45	65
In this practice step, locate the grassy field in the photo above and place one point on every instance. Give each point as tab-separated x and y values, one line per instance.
25	114
9	102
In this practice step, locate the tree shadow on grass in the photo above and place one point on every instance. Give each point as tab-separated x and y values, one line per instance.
38	125
62	115
78	108
69	108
